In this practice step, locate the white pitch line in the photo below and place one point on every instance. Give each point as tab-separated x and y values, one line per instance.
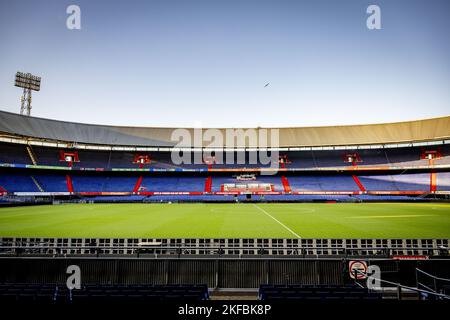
281	223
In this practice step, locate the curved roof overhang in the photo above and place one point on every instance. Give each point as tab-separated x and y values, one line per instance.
41	129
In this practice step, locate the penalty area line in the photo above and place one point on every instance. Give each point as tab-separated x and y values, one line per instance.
276	220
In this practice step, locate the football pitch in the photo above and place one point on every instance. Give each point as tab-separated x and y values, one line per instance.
244	220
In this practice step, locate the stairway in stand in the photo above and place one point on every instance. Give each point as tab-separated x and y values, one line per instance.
31	155
37	184
208	184
285	181
356	179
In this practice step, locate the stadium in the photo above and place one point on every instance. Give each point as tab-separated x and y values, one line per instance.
376	193
224	158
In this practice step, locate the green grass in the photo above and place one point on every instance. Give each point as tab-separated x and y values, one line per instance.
365	220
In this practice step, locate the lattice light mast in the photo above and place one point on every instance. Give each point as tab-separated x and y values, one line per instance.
29	83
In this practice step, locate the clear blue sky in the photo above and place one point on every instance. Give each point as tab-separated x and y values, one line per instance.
193	62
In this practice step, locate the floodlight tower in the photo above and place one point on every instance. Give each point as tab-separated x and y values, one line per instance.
28	82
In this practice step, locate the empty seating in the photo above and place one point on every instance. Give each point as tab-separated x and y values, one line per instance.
54	293
94	159
443	181
52	182
55	181
103	183
17	182
14	153
173	184
189	292
407	156
48	156
413	182
27	292
378	183
416	182
322	183
122	160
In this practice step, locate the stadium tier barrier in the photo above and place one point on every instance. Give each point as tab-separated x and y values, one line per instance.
96	197
224	247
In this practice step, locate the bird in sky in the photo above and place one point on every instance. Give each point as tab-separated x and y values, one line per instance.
267	84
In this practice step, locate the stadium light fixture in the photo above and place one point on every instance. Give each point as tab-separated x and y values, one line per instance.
29	83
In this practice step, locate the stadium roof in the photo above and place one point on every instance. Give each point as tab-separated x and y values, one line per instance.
12	124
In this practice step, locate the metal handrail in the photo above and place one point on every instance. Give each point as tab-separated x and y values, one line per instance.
432	276
399	285
435	279
200	247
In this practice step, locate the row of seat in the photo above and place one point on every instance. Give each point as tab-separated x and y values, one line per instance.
94	292
23	182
